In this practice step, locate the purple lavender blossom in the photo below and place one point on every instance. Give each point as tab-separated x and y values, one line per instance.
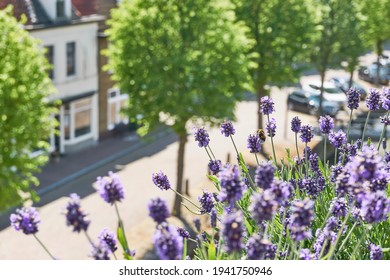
385	120
283	191
233	231
206	201
375	207
306	255
358	144
158	210
253	143
232	186
215	166
111	190
376	252
385	98
326	124
337	139
310	186
183	233
365	166
386	157
75	216
265	174
263	206
26	219
313	159
353	96
380	182
271	127
213	218
100	252
306	133
107	238
267	105
343	186
324	240
373	100
227	128
336	170
168	242
202	137
302	212
296	124
339	207
161	180
260	249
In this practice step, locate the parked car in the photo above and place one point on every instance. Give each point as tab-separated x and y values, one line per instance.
369	74
343	84
331	92
306	102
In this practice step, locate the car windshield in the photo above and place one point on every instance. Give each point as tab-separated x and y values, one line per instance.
331	90
314	98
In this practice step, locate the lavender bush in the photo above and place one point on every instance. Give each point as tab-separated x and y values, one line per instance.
298	208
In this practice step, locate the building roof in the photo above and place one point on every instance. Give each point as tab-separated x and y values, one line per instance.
33	10
37	18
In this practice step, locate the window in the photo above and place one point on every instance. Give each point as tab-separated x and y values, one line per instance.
117	102
60	7
82	116
50	59
71	58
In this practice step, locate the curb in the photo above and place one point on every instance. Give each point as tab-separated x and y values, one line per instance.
84	171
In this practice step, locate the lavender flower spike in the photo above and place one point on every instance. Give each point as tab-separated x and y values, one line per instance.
296	124
75	216
161	180
271	128
107	238
386	98
202	137
111	190
233	232
26	219
253	143
227	128
158	210
168	242
376	252
267	105
353	96
337	139
373	100
306	133
326	124
231	184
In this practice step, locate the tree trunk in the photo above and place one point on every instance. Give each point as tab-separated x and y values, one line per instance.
350	78
260	93
379	53
321	92
180	172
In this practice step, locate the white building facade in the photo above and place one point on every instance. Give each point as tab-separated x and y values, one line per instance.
72	49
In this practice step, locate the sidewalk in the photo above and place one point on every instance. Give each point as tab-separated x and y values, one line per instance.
72	166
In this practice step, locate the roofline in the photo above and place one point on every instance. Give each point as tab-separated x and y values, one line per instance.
82	20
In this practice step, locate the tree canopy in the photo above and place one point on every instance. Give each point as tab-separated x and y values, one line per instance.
178	61
25	121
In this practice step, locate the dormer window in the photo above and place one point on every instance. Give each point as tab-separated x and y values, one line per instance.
60	6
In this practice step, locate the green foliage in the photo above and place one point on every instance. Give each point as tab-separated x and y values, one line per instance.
376	22
25	121
178	60
282	34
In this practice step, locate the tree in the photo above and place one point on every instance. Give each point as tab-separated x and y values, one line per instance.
351	38
178	61
282	34
376	25
24	110
327	39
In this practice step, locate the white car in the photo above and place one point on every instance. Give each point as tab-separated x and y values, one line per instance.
331	92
